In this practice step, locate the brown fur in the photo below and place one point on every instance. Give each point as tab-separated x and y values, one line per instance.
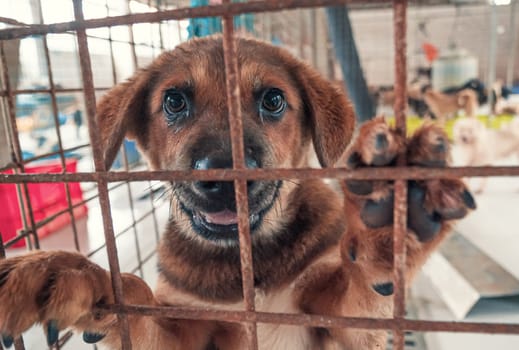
311	253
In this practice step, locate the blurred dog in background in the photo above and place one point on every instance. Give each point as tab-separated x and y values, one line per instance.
481	146
444	106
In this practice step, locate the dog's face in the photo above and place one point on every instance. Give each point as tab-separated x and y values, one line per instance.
467	131
176	109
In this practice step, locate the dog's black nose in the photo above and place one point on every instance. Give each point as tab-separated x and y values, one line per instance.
220	188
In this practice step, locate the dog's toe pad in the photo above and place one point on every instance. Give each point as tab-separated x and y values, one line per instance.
360	187
424	224
376	214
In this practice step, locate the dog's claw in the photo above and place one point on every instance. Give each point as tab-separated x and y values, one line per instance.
468	199
424	225
385	289
52	332
360	187
7	340
3	276
376	214
352	253
452	214
381	142
92	337
354	160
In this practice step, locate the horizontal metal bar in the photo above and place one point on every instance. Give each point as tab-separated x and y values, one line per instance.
4	93
42	156
313	320
12	21
383	173
175	14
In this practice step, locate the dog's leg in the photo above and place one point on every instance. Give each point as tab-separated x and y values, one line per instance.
64	289
362	285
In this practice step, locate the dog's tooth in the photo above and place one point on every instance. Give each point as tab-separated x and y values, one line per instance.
52	332
376	214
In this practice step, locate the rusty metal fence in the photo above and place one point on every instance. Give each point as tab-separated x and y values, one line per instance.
106	181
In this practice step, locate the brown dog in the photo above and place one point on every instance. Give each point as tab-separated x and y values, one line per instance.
444	106
310	253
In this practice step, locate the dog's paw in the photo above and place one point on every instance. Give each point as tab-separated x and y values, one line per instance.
376	145
55	289
430	203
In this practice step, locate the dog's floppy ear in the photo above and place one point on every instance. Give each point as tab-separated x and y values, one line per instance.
332	118
120	112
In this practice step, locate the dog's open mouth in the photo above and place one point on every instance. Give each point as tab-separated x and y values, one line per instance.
222	225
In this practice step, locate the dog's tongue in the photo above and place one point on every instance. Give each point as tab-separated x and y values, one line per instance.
224	217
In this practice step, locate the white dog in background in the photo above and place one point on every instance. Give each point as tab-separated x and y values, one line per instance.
478	145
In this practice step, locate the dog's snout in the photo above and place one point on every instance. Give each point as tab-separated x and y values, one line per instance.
223	163
221	188
207	163
218	188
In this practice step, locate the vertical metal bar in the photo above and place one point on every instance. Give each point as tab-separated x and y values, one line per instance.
19	344
313	37
132	39
236	128
492	57
55	112
104	198
400	207
161	35
301	30
510	65
22	190
152	195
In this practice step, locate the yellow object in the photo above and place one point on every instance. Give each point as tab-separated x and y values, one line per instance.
414	122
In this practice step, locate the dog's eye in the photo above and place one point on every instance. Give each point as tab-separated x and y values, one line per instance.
175	104
273	103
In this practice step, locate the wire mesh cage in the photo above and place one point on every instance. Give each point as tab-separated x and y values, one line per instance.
75	56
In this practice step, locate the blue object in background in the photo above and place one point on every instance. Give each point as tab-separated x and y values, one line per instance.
131	152
205	26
